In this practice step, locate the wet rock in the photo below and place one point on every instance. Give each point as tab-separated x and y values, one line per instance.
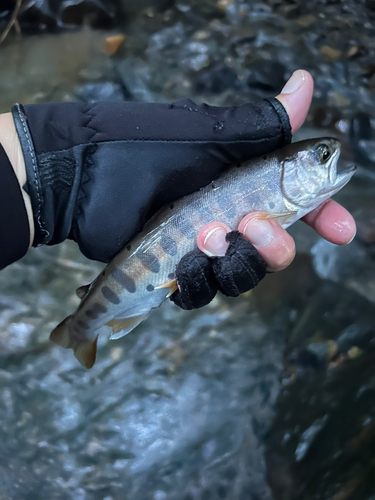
326	117
308	438
370	4
223	4
324	421
217	79
195	56
330	52
363	139
352	51
97	13
350	265
266	76
42	15
106	91
307	21
314	356
134	6
135	76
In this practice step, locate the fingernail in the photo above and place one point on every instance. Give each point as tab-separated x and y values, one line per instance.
352	238
294	82
214	243
259	232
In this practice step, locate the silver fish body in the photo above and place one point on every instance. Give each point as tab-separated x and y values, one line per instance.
286	184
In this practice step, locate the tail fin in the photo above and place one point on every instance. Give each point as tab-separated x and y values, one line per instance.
84	350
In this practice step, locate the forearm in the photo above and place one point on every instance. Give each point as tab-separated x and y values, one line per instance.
11	144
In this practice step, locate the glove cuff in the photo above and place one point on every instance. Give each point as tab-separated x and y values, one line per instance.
286	129
53	183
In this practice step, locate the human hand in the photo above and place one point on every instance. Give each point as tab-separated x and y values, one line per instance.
96	173
273	243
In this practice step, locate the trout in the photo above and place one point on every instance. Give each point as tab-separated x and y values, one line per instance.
285	184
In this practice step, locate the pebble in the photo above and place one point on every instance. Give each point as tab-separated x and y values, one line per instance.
113	43
330	52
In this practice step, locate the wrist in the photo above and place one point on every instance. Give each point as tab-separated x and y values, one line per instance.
11	144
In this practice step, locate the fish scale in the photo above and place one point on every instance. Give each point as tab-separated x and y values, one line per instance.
285	184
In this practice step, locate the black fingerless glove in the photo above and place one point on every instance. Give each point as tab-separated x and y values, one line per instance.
97	172
200	277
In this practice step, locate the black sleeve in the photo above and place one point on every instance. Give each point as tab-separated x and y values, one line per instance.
97	172
14	224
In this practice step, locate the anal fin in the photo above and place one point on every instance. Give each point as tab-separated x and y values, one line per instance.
85	352
122	326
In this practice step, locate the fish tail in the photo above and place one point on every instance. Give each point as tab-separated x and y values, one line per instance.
84	350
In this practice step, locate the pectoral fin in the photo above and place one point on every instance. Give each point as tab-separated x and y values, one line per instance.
169	284
122	326
278	217
284	219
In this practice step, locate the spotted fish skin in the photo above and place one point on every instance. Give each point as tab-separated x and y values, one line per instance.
133	283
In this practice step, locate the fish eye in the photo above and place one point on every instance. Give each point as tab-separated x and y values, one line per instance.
324	152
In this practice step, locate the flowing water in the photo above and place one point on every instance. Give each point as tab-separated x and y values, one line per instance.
270	396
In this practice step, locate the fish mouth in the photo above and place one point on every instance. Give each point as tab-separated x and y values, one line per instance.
339	180
336	180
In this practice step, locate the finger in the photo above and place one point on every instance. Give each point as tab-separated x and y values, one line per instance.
296	97
333	222
211	239
274	244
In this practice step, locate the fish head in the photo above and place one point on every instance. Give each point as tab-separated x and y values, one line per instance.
309	173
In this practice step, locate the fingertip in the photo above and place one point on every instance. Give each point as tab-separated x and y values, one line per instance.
332	222
211	239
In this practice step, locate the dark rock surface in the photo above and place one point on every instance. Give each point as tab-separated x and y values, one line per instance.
269	396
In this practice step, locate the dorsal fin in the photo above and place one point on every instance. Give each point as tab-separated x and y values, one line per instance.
82	291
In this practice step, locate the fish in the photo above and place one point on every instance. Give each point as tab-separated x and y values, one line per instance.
285	184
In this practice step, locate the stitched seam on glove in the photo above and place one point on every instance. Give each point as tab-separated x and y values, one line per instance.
91	118
36	181
85	178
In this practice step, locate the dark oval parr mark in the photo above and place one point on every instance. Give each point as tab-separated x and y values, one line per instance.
149	261
186	228
95	310
110	295
124	280
83	324
168	245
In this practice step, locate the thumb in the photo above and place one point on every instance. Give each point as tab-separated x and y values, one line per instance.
296	97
